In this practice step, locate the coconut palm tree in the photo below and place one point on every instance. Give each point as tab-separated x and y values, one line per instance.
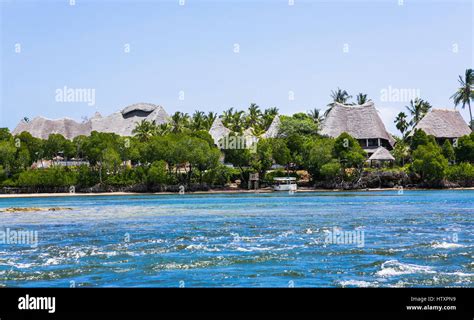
273	111
465	92
198	121
210	118
144	130
401	123
163	129
227	117
179	122
418	108
339	96
238	122
268	116
254	115
362	98
316	115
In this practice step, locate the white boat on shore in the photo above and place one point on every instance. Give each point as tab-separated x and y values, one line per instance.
285	184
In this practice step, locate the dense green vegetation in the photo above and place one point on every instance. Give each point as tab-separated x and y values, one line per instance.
192	158
182	152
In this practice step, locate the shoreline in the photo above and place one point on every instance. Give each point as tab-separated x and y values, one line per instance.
305	190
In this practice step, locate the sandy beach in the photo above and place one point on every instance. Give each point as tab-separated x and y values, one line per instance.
265	190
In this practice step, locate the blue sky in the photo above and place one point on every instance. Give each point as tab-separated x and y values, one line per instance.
190	49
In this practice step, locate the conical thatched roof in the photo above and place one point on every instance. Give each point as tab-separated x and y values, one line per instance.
272	131
381	154
361	122
121	123
443	123
218	130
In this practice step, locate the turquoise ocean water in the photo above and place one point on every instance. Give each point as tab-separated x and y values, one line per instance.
418	238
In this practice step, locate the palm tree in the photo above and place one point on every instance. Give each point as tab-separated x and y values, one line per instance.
210	118
227	116
362	98
339	96
316	115
163	129
144	130
198	121
268	116
465	92
418	108
179	122
254	114
401	122
238	122
273	111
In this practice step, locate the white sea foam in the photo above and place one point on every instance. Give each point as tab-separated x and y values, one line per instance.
357	283
446	245
395	268
250	249
460	274
201	247
52	261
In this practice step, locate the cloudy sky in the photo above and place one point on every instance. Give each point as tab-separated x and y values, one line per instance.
212	55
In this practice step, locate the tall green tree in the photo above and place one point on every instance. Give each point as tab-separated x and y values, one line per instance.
349	152
210	118
198	121
319	152
465	93
144	130
339	96
429	162
418	108
362	98
179	122
465	148
254	116
316	115
401	123
448	151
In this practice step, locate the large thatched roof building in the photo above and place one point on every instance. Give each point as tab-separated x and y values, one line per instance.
122	122
41	127
443	124
362	122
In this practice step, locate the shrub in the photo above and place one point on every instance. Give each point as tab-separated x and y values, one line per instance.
51	177
219	176
462	173
331	170
157	173
429	163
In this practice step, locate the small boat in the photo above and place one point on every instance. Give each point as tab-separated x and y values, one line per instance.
285	184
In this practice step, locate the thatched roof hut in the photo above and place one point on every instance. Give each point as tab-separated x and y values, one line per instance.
218	130
121	123
362	122
272	131
443	124
381	154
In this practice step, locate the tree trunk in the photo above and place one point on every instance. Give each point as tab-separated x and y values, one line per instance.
470	114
